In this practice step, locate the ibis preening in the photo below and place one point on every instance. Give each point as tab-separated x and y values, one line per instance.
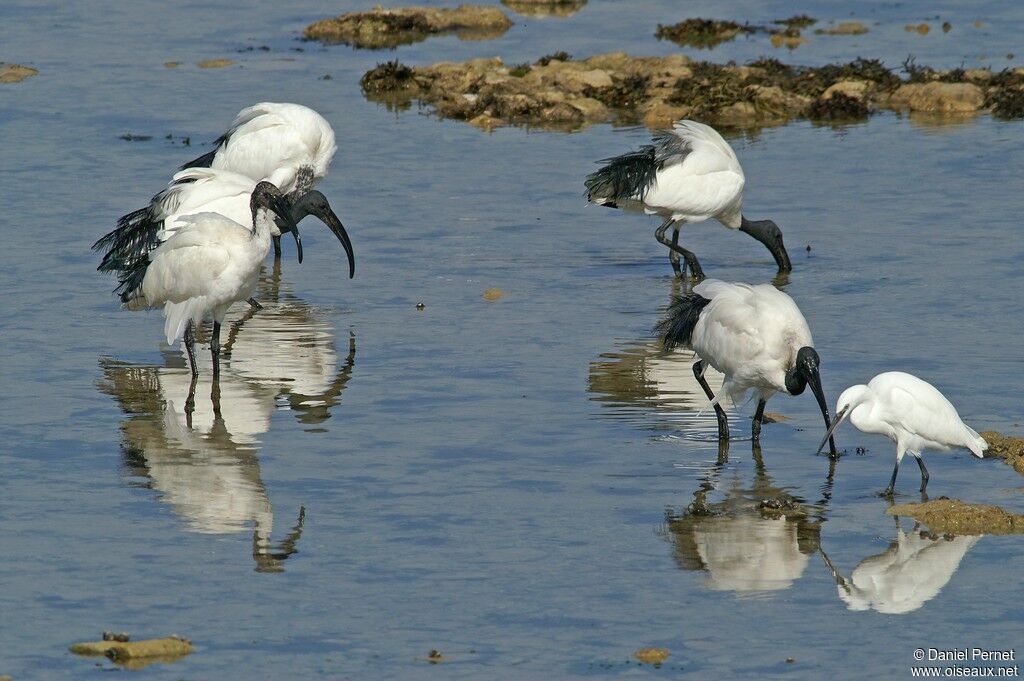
206	265
689	174
204	190
287	144
910	412
755	335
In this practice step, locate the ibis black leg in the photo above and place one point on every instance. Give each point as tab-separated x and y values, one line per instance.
215	349
190	347
723	421
190	401
755	429
254	304
673	256
676	250
277	246
892	481
924	473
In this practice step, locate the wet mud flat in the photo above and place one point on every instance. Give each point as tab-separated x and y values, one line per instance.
953	516
560	92
382	28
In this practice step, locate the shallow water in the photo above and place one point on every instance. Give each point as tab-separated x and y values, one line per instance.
475	477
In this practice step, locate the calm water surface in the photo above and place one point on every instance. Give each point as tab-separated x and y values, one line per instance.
526	485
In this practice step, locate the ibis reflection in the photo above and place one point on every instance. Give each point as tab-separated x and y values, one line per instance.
641	382
198	444
755	538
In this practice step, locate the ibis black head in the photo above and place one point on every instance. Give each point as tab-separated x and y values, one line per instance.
315	203
267	196
768	233
807	371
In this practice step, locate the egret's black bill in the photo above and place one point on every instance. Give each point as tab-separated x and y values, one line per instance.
819	394
840	417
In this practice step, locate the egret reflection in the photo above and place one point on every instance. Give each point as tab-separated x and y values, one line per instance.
908	574
197	443
755	538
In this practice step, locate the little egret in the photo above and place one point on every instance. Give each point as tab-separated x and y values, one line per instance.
755	335
910	412
205	266
287	144
689	174
203	190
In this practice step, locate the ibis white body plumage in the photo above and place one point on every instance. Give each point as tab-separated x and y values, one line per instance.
287	144
910	412
689	174
755	336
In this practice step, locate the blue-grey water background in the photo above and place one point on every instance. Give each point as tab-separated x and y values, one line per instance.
480	481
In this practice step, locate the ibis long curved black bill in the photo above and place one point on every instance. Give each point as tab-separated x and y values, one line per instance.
819	394
329	218
840	417
284	211
315	203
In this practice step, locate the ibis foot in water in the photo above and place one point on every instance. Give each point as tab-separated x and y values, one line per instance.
755	429
723	420
675	250
254	304
215	349
190	349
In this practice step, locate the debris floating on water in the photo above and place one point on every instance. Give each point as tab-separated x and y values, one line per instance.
15	73
381	28
844	28
493	294
214	63
952	516
655	656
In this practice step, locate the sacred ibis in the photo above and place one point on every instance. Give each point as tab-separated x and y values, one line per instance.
755	335
689	174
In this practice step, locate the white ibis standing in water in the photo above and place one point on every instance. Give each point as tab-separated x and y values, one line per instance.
208	264
755	335
288	144
910	412
203	190
689	174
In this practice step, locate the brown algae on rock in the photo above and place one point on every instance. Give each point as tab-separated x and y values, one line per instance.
654	656
381	28
1006	447
136	653
545	8
15	73
705	33
562	93
952	516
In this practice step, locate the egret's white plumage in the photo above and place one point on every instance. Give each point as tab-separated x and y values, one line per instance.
911	572
910	412
287	144
689	174
755	335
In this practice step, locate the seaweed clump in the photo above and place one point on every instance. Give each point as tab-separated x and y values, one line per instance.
837	107
702	33
388	78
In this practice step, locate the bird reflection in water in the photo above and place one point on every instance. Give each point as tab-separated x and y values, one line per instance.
908	574
201	454
756	539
